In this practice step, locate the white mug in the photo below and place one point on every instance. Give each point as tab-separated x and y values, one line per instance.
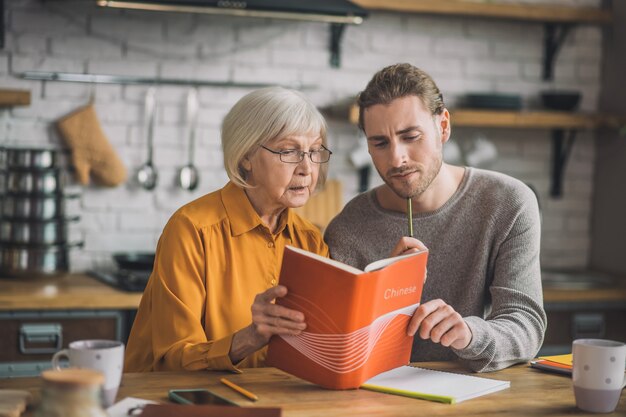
598	374
106	356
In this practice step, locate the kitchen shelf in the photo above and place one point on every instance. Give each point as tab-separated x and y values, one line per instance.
557	20
519	119
527	119
10	98
563	125
528	12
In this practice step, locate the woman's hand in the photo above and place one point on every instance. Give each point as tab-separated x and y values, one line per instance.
407	245
439	322
268	319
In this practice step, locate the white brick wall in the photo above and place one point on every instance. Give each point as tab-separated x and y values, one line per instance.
463	55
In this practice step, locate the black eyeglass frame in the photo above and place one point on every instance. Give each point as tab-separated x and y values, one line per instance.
300	153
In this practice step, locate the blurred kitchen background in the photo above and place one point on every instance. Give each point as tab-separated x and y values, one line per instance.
574	160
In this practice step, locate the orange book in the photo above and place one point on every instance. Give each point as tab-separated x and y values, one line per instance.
356	320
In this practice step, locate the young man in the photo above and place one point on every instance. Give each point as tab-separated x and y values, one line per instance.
482	302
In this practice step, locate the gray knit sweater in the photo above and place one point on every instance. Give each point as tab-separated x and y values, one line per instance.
483	261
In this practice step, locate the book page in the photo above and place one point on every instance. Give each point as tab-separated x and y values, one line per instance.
329	261
433	385
380	264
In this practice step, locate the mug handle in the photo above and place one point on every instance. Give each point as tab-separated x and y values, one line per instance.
56	358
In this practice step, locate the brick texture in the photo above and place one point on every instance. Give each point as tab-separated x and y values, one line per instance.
463	55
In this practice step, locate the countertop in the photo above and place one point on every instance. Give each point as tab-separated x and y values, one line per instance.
63	292
82	292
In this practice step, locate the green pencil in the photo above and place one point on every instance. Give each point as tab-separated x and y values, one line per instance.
409	212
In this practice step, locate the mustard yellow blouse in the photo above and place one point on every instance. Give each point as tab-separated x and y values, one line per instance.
214	256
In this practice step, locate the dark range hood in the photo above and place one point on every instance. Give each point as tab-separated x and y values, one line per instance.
338	13
330	11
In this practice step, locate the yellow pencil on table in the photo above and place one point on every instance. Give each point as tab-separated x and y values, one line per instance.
240	390
409	212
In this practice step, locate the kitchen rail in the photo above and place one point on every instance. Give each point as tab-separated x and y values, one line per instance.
128	79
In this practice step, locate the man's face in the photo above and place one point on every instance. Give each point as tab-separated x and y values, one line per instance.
405	141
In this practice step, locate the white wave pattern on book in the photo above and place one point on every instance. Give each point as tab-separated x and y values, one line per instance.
322	348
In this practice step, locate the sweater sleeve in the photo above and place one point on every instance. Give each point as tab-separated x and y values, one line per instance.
514	326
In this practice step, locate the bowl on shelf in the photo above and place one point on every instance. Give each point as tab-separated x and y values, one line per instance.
560	100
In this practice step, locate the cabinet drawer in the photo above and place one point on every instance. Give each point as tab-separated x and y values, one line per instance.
35	336
565	325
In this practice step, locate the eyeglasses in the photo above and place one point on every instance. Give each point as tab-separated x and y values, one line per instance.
294	156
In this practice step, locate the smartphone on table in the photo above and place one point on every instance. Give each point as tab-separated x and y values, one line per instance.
198	396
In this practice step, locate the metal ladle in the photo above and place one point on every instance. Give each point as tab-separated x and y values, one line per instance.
147	175
188	176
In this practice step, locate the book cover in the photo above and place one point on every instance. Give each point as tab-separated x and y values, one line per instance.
561	364
428	384
179	410
356	320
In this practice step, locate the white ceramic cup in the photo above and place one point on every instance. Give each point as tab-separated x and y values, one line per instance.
106	356
598	374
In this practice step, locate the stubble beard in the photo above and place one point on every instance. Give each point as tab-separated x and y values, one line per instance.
416	188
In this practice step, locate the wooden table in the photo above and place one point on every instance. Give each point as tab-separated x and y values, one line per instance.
532	393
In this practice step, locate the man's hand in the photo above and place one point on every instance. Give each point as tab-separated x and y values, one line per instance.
407	245
439	322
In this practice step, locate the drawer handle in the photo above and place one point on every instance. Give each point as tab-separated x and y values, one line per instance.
33	335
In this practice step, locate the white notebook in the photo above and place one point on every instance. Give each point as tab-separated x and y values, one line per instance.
433	385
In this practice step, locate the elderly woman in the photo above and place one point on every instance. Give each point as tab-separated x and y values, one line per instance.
209	301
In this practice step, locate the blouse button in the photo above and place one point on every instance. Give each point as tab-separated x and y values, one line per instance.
273	282
270	244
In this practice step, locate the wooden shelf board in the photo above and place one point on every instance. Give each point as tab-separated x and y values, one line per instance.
520	119
9	98
538	13
524	119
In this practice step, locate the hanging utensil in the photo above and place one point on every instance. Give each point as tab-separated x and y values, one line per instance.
147	175
188	175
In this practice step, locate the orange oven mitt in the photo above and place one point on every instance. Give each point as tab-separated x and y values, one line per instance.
92	152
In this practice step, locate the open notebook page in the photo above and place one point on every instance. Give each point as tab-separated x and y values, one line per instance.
433	385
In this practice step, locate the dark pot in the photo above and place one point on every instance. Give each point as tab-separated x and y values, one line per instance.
135	261
561	100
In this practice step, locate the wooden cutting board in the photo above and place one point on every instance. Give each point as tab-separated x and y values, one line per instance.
9	98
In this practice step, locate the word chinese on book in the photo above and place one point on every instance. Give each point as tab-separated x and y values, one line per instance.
356	320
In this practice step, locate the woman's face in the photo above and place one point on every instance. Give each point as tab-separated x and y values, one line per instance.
281	184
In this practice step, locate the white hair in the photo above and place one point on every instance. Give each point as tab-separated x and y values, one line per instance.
264	115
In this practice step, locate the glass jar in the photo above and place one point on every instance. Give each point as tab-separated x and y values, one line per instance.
71	393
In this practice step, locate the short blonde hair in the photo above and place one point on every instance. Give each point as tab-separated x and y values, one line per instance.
264	115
